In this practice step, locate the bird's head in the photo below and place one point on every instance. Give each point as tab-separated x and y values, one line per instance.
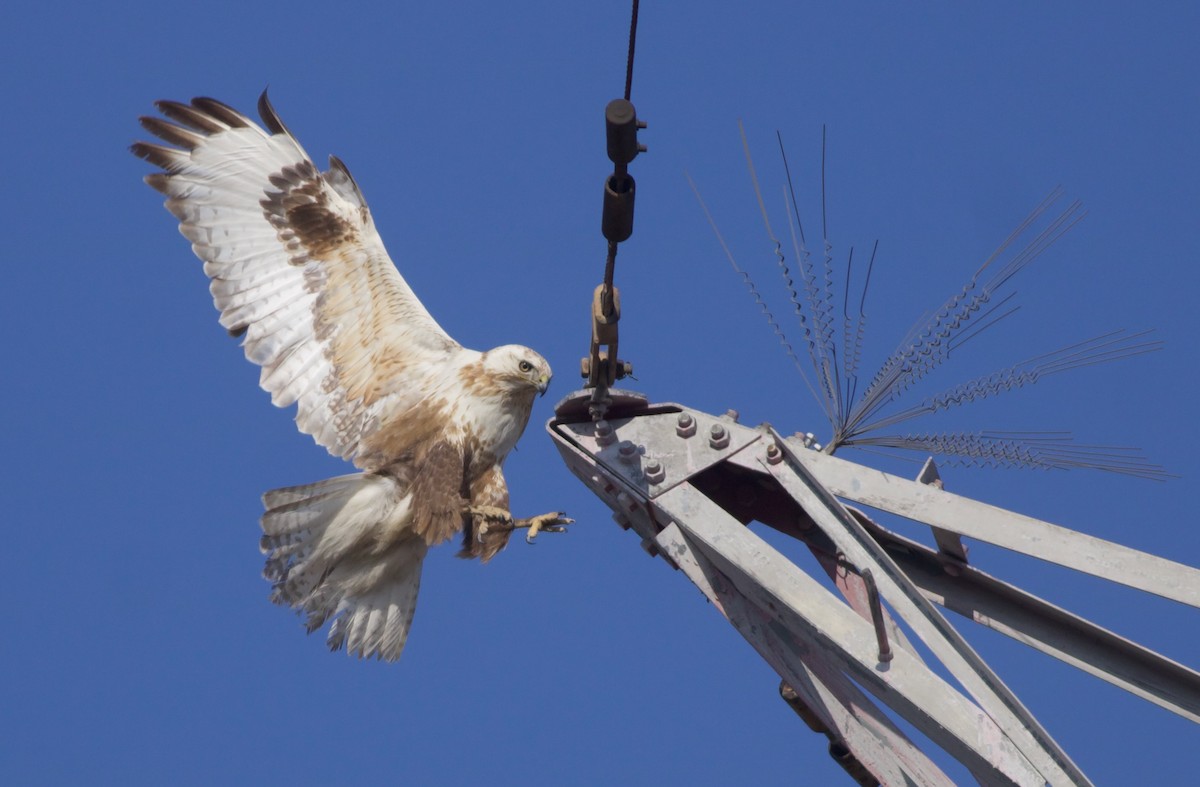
518	368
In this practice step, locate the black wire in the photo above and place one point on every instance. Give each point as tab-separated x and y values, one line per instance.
610	263
632	41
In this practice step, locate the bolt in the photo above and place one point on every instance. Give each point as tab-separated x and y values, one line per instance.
774	455
622	521
627	452
604	433
585	367
717	437
602	484
685	425
655	472
626	502
650	547
731	415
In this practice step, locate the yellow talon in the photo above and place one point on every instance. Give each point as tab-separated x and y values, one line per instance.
497	519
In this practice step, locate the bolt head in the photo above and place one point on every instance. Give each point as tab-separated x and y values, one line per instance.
654	472
718	437
604	433
685	425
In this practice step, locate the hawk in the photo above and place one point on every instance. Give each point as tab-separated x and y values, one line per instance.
299	272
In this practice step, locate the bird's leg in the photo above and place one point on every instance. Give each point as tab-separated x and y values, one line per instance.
497	519
491	513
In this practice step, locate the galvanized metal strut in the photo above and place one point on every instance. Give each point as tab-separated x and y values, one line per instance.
688	482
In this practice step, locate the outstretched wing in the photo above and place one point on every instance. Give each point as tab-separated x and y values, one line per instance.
298	268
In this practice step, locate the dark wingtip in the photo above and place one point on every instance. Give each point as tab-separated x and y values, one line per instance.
176	135
158	181
269	116
220	111
341	173
159	156
189	116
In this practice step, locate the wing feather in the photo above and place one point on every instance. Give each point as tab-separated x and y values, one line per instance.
292	375
190	117
221	112
297	266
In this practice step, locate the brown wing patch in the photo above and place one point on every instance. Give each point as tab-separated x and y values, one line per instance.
355	296
488	489
437	493
318	228
301	213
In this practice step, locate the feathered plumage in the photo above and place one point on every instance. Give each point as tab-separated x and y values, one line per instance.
298	271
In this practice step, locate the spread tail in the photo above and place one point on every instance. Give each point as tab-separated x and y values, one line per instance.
342	550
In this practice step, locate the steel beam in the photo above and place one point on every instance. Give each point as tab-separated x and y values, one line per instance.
1029	536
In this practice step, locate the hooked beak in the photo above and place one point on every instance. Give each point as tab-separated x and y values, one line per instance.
542	384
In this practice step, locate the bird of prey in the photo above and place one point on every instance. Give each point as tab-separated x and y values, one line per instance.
299	272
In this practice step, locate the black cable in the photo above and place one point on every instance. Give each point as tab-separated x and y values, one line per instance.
632	40
612	246
603	367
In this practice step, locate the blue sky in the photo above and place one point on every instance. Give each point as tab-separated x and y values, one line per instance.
141	647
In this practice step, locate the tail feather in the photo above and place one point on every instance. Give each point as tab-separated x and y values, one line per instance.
374	617
291	499
342	550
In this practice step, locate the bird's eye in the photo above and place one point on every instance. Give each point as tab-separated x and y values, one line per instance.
525	366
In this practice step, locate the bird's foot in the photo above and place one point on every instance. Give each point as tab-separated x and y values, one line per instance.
553	522
499	520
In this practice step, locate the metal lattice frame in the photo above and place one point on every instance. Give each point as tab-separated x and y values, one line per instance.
688	482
